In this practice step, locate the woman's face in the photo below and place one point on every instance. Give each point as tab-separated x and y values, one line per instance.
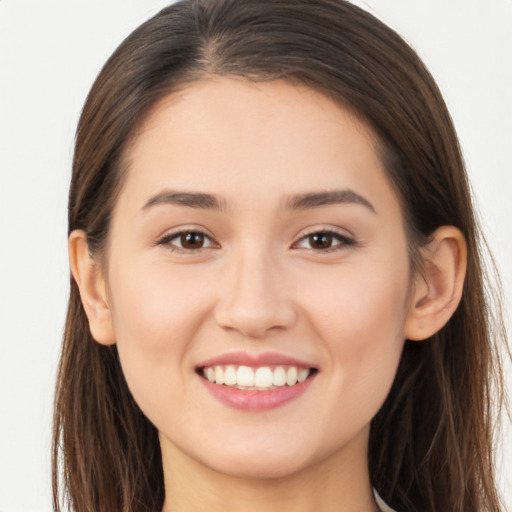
257	241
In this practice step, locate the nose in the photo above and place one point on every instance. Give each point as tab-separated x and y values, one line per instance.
253	298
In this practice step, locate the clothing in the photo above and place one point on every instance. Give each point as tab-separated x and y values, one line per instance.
381	504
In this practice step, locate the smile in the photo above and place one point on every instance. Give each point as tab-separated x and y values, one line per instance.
255	383
263	378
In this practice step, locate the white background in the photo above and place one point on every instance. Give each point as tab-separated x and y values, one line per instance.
50	52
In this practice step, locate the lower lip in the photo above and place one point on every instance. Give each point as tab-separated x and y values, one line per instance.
252	400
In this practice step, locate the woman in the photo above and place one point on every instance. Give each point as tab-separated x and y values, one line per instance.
277	297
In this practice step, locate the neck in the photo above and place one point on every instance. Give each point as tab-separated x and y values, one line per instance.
331	485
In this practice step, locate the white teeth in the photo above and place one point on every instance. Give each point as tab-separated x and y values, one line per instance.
230	376
291	376
262	378
279	377
303	374
219	375
245	376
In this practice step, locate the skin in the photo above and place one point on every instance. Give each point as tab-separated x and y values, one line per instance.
259	284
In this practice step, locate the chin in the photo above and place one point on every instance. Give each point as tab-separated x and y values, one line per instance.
260	467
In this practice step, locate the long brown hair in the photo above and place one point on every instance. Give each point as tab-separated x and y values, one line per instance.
431	442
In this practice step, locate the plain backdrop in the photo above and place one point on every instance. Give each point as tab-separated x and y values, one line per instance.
51	51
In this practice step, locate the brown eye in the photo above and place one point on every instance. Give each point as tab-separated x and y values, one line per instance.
325	241
188	241
192	240
320	240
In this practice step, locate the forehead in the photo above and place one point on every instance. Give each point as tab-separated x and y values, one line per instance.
246	140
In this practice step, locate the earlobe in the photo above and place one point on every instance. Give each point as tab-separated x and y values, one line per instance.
438	289
89	278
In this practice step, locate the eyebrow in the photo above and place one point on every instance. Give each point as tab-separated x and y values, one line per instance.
305	201
191	199
318	199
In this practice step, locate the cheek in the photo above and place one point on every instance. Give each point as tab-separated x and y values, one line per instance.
155	315
356	307
361	325
156	304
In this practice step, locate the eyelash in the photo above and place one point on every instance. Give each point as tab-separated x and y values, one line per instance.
167	239
343	241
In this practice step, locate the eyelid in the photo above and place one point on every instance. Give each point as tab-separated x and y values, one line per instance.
324	228
346	238
165	239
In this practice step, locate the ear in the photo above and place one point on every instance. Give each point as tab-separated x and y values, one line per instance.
438	289
89	278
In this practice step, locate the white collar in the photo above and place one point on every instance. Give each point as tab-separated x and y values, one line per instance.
381	504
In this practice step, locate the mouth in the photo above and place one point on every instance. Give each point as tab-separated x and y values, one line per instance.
255	382
260	378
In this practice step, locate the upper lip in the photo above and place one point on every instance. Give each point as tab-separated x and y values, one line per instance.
242	358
